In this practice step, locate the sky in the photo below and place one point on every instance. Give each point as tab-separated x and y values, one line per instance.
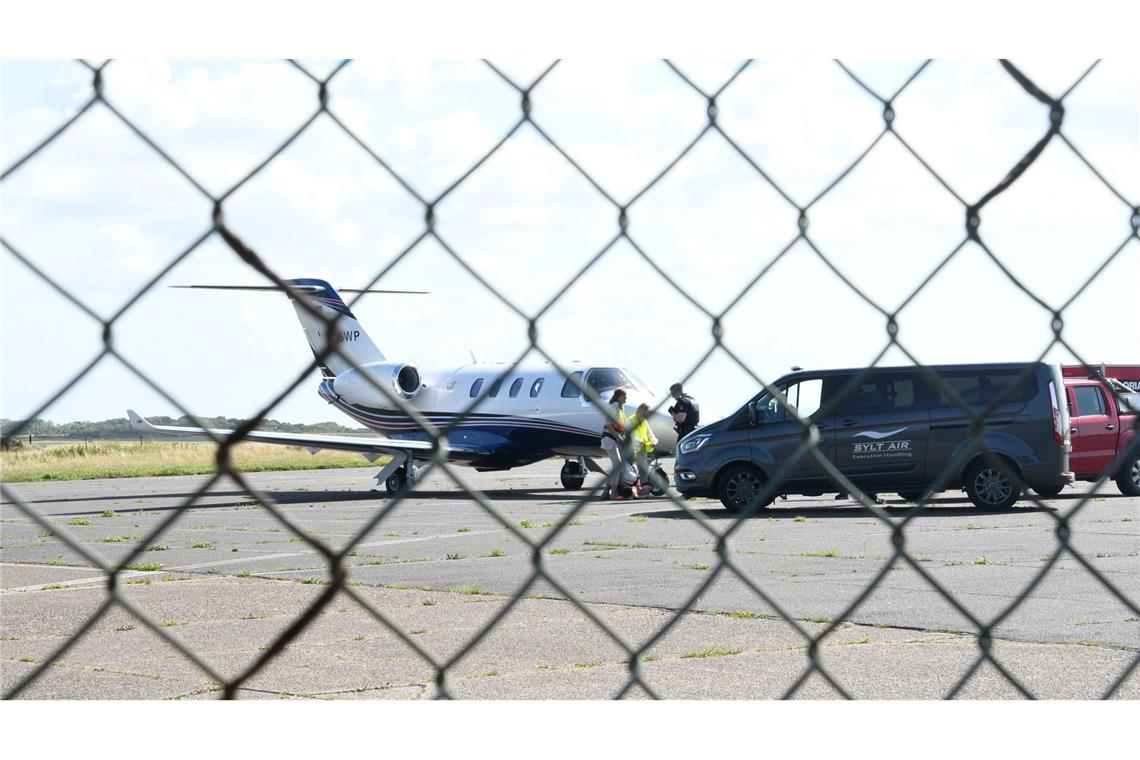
102	213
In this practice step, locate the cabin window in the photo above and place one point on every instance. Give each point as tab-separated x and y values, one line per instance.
496	387
476	387
534	389
516	386
569	390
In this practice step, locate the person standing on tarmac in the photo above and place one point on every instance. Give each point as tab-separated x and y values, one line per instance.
686	412
614	438
643	440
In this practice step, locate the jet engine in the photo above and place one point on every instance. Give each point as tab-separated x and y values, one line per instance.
356	386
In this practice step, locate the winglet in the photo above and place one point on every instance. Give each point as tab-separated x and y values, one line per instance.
138	423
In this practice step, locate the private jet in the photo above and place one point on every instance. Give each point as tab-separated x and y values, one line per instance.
528	414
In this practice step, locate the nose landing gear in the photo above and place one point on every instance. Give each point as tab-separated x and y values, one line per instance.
573	474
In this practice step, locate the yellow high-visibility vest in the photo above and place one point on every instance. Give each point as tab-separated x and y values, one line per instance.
643	434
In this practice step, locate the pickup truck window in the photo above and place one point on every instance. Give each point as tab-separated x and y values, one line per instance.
1090	401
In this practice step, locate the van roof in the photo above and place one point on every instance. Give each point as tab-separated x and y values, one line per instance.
912	367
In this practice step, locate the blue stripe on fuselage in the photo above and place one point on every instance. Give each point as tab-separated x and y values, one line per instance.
511	441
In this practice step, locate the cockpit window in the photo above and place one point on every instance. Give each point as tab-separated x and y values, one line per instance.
476	387
605	379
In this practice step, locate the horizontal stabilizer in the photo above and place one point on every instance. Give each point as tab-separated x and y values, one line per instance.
299	289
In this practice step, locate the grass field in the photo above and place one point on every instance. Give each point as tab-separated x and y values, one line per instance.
107	459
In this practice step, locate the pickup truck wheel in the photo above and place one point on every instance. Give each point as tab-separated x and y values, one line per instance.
1048	491
1128	480
739	487
992	485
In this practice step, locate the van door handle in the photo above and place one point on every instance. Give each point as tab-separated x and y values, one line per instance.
1110	427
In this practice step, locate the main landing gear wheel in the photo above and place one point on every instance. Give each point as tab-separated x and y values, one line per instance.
573	475
396	481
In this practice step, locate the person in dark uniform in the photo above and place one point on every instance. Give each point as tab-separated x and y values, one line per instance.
686	412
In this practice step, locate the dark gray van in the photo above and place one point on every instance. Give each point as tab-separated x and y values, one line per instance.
889	429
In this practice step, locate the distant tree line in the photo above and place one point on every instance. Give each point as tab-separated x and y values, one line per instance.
119	428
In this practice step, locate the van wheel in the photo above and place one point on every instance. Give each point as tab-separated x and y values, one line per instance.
992	485
1128	479
1048	491
739	487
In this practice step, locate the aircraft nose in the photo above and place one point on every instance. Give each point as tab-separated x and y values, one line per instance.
662	426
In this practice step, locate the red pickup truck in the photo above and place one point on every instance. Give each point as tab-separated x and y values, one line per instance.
1102	424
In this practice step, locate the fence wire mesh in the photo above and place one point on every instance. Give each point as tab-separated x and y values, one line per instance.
325	108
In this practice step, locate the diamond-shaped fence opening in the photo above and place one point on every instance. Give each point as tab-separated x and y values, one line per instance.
435	188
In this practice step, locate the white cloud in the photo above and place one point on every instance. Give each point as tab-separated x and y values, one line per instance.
101	212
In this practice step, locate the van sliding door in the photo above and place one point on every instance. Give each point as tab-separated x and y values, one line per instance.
882	429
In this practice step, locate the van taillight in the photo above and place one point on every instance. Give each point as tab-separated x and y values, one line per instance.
1058	428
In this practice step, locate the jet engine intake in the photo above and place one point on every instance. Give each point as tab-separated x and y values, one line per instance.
356	385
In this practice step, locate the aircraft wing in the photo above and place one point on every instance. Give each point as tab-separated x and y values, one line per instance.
369	447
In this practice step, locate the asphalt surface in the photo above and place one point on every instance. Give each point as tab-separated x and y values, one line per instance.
226	577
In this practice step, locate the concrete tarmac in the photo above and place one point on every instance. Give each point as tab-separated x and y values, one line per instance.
225	577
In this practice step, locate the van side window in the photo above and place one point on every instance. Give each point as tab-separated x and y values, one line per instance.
1090	401
805	397
534	389
881	393
982	388
569	390
516	386
476	387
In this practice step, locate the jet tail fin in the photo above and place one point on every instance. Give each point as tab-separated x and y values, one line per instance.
333	321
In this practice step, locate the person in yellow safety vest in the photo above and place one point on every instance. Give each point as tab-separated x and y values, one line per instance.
643	441
614	437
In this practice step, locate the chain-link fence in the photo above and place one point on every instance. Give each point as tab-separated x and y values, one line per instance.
325	109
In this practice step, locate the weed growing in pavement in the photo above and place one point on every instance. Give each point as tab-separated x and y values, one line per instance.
639	519
144	566
820	619
203	545
980	561
428	602
138	581
54	561
472	591
711	652
526	524
454	555
593	664
54	587
699	566
495	553
799	519
559	550
127	627
78	521
827	553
